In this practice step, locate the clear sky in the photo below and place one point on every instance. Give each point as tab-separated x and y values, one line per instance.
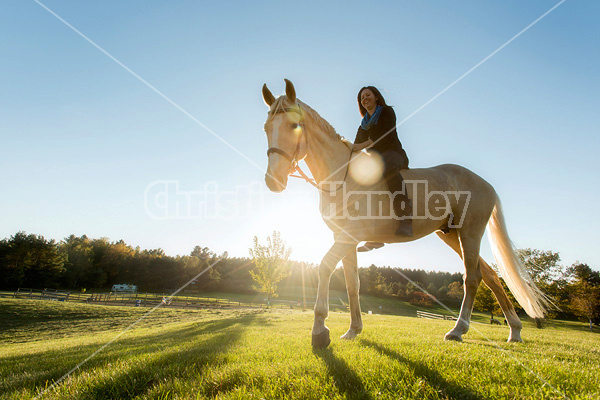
84	142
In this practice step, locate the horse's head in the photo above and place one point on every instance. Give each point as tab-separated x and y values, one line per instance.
285	135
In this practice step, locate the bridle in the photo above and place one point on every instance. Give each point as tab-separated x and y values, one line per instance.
294	167
291	158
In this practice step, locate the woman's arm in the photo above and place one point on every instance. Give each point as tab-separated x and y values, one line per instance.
363	145
362	140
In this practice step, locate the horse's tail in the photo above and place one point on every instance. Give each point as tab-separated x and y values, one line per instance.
512	270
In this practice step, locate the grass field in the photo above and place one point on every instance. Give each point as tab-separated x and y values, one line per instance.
243	354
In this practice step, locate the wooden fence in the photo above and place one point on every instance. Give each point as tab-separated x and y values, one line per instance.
424	314
151	299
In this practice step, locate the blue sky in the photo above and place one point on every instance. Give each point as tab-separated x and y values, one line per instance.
83	139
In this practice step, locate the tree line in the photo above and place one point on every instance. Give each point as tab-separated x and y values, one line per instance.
80	262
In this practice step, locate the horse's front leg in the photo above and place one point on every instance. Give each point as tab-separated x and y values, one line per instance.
352	287
320	333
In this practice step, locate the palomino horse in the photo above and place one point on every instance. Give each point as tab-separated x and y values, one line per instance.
447	199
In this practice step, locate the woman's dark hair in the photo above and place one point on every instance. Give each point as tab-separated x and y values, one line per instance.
378	96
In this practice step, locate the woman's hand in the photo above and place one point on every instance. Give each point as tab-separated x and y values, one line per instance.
363	145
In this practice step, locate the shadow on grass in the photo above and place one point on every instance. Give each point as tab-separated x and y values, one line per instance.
432	377
27	321
178	363
346	380
138	364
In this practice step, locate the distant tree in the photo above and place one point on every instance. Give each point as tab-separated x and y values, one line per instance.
486	302
30	261
580	273
372	281
202	253
401	292
585	292
431	289
442	291
547	273
543	265
455	291
200	259
271	264
418	298
114	260
411	288
79	267
585	302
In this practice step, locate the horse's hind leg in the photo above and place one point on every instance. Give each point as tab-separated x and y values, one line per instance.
352	286
490	278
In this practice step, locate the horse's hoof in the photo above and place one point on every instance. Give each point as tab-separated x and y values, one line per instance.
321	340
452	337
351	334
515	340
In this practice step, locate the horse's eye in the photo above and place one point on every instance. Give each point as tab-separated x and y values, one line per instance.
295	126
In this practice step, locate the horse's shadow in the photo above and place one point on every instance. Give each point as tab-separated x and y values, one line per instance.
146	361
346	380
432	377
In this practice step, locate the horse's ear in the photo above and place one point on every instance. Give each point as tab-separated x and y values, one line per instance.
267	95
290	92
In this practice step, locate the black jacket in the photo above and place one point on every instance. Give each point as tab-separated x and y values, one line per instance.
383	133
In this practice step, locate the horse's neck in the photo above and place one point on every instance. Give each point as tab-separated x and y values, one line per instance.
326	154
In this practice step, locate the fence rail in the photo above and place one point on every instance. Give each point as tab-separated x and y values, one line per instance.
425	314
150	299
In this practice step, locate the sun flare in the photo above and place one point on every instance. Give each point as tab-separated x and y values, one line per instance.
366	169
296	216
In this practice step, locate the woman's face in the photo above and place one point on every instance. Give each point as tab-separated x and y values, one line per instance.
368	100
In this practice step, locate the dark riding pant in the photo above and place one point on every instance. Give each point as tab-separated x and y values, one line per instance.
393	162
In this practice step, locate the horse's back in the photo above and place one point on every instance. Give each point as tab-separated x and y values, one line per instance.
449	177
471	197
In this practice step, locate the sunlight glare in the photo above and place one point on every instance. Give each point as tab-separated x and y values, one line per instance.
295	214
366	169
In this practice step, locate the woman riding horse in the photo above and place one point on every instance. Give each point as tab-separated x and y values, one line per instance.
292	127
377	132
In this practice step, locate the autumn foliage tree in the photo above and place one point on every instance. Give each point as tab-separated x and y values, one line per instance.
455	291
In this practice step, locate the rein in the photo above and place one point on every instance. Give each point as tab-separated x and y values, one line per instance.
294	166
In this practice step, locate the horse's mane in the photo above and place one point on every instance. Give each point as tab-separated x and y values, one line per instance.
282	102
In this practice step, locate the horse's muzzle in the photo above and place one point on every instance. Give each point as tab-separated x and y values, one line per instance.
275	184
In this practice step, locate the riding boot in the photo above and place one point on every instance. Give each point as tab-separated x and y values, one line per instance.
405	224
402	205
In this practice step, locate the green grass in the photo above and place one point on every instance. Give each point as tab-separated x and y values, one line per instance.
246	354
338	300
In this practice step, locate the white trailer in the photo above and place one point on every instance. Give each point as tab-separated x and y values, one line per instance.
124	288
